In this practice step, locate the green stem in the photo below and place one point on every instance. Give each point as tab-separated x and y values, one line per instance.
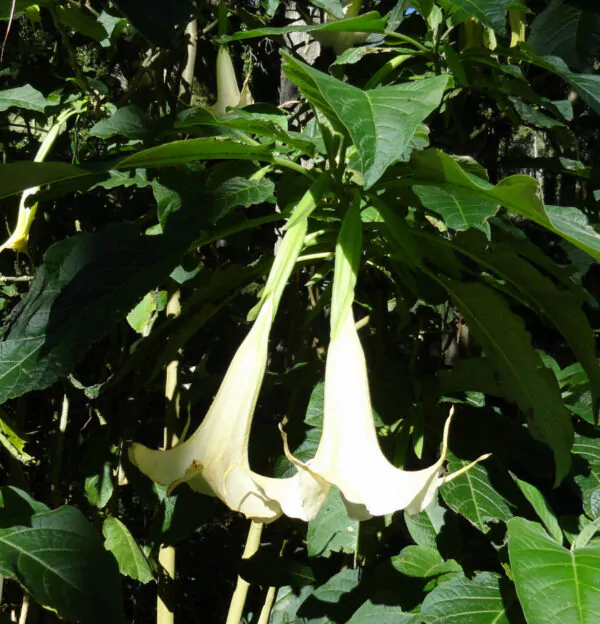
406	39
386	69
290	164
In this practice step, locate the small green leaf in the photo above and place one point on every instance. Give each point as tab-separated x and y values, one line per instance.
492	13
332	6
554	585
373	613
425	526
424	562
119	541
81	22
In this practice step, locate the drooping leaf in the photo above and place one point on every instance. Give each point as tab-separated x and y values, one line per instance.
119	541
518	193
332	6
554	585
381	122
87	283
18	176
17	507
63	564
23	97
333	600
238	191
332	531
485	599
369	22
473	496
521	372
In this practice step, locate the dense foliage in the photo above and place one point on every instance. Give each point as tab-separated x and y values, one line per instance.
427	168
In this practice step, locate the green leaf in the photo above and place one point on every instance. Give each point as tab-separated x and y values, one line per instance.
287	602
424	562
473	496
239	191
460	208
119	541
554	585
23	97
564	30
332	531
86	285
63	564
484	599
75	18
372	613
541	507
369	22
129	121
518	193
17	507
586	85
381	122
522	374
99	487
492	13
425	526
19	176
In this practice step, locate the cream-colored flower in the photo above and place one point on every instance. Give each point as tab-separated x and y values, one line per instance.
228	93
214	460
349	455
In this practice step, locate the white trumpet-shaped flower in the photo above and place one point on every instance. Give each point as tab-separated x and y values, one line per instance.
228	93
214	460
349	455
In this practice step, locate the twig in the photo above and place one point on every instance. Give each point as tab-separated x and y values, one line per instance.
60	445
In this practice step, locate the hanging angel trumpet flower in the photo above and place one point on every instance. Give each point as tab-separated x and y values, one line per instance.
349	455
19	239
228	93
214	460
341	41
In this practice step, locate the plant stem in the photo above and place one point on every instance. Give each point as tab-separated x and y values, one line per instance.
238	600
265	612
166	555
407	39
60	446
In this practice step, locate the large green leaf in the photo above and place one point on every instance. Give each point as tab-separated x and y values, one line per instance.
119	541
87	283
63	564
485	599
129	121
566	31
332	530
369	22
518	193
23	97
381	122
19	176
521	372
554	585
473	496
